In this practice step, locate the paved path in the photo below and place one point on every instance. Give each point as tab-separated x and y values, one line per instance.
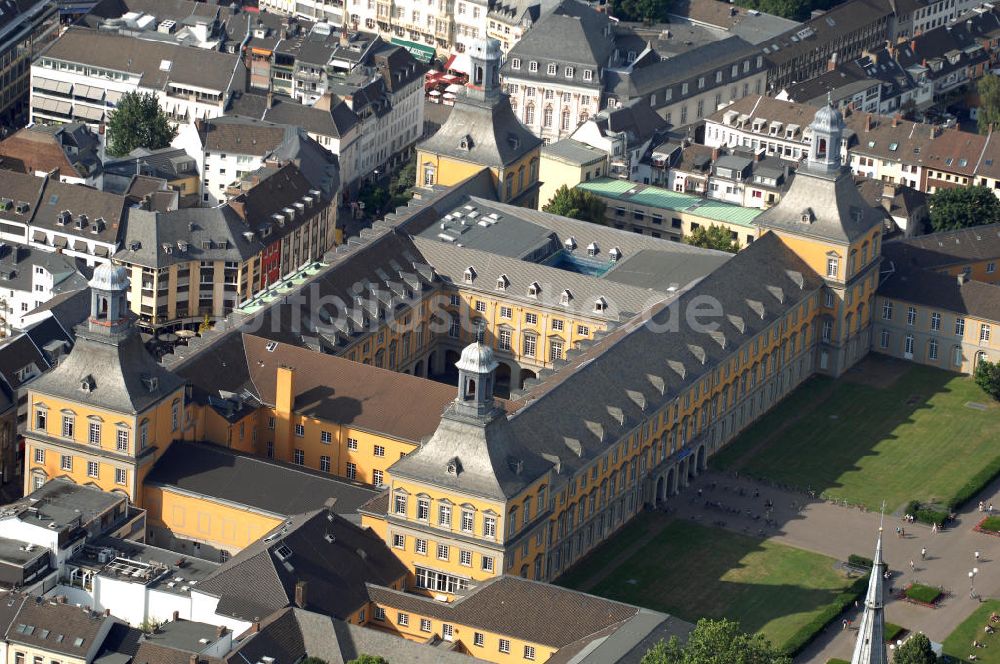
837	531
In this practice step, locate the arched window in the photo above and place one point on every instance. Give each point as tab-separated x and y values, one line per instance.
529	114
564	121
547	117
584	117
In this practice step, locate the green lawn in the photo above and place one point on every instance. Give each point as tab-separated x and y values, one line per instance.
845	439
692	572
959	643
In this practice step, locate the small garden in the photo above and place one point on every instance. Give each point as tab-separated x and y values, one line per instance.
958	645
918	593
990	525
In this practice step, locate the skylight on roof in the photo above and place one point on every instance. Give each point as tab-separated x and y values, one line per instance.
165	65
893	146
963	162
948	161
871	144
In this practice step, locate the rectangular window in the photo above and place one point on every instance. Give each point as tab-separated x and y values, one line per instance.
935	321
420	546
122	440
94	434
403	619
489	526
352	444
478	639
67	426
377	477
121	476
399	541
175	417
832	266
324	464
425	625
529	345
379	451
529	652
300	430
582	330
984	332
39	455
960	327
326	437
270	423
480	306
442	552
40	418
911	316
503	340
299	457
887	311
93	470
379	613
504	646
400	503
447	632
467	521
66	463
557	325
884	339
465	558
487	564
932	349
423	509
530	318
908	345
444	516
555	350
506	312
351	471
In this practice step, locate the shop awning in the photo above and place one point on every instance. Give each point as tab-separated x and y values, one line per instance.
460	62
53	106
88	113
89	92
113	96
60	87
420	52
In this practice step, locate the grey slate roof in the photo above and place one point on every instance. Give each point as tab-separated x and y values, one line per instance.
256	582
637	368
219	473
38	618
573	152
292	633
936	250
941	291
17	264
826	207
119	372
493	134
207	233
335	122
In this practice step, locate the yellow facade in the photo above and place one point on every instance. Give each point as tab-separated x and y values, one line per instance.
100	447
201	519
556	172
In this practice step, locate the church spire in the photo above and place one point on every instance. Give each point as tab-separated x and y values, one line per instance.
870	647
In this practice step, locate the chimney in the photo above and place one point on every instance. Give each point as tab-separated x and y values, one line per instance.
177	616
220	631
715	155
895	120
300	594
193	659
255	627
831	64
107	613
345	38
868	122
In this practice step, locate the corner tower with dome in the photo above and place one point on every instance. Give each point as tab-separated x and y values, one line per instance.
824	219
104	415
470	503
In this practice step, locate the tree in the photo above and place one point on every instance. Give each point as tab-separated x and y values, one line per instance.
713	237
716	642
988	115
138	122
576	203
916	650
368	659
641	10
987	377
956	208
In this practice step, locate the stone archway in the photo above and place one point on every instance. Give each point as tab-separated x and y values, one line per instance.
702	458
671	481
418	368
525	375
501	384
660	490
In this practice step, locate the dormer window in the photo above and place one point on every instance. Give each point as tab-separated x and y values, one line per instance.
454	466
466	142
600	305
515	63
534	289
533	66
502	282
565	297
616	254
570	243
87	384
551	69
592	249
569	72
470	274
588	74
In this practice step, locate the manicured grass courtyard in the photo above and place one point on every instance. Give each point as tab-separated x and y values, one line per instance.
990	524
959	643
864	441
692	572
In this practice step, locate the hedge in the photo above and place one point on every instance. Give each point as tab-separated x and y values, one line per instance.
991	524
801	638
892	631
837	660
975	484
925	513
854	560
922	593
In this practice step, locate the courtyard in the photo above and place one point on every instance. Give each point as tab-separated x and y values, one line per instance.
888	430
693	571
959	643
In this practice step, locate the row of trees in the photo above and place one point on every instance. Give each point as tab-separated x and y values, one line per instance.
724	642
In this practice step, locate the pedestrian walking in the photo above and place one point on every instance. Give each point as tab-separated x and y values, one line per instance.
934	527
977	556
923	553
982	506
990	509
912	566
845	623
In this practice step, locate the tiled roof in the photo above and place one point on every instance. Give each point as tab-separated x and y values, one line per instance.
519	608
62	628
936	250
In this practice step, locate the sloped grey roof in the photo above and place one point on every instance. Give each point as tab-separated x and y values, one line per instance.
494	135
335	122
822	206
150	234
635	368
117	371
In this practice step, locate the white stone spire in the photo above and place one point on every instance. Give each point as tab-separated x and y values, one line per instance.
870	647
